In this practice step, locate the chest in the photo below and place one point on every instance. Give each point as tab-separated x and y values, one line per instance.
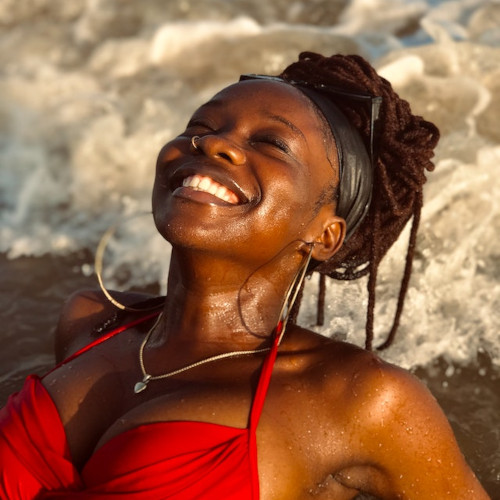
293	432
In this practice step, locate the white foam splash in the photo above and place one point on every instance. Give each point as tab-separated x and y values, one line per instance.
87	102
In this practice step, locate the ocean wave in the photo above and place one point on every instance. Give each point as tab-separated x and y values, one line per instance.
87	101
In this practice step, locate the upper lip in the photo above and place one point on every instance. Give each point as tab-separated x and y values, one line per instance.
218	174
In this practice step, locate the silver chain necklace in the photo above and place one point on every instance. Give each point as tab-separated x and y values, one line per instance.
142	384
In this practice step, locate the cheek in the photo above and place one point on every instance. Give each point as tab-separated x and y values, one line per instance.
167	156
170	152
288	207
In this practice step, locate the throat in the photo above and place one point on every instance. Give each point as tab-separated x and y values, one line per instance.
217	322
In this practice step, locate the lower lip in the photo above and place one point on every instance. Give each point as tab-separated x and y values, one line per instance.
200	196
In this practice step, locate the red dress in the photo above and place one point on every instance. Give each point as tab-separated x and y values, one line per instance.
176	460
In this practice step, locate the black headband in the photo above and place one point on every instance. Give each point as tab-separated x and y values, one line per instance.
355	169
354	158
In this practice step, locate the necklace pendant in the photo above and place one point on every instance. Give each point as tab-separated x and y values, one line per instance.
142	385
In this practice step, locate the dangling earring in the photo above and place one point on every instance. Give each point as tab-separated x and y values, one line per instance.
98	261
291	294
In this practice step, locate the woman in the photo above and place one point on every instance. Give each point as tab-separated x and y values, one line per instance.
203	394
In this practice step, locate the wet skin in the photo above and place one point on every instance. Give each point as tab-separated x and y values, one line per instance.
337	420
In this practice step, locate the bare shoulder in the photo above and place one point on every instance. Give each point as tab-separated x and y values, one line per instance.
396	439
399	429
331	358
84	314
368	378
371	379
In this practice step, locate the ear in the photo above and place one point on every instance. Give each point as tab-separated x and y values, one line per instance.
330	234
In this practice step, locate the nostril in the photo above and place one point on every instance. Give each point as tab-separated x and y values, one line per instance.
225	156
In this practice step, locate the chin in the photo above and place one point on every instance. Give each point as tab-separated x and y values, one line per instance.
184	231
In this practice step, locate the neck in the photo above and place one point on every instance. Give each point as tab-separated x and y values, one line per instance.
223	304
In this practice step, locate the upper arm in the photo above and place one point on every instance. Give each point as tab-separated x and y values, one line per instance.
407	439
81	311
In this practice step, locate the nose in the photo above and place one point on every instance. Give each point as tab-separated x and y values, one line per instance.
219	146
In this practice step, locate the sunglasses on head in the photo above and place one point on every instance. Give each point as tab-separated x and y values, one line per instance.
370	103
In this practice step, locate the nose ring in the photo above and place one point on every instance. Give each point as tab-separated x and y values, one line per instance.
193	142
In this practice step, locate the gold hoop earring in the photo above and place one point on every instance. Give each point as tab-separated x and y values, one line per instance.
193	142
98	264
291	294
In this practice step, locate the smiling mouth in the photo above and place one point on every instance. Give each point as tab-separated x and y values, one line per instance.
208	185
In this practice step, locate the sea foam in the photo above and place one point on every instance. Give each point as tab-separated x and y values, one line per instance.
87	102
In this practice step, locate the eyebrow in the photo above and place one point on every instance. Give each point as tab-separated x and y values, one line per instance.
288	123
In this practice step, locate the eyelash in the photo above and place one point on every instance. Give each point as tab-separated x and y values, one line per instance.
274	141
198	124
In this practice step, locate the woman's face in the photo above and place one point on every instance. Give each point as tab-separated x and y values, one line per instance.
251	187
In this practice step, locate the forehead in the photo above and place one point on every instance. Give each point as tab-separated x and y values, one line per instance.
273	89
258	96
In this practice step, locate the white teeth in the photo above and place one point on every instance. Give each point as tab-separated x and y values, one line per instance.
221	192
207	184
204	184
191	181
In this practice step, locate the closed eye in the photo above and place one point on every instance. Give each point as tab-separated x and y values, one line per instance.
197	126
274	141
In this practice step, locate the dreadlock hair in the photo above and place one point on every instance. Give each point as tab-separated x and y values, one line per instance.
404	145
